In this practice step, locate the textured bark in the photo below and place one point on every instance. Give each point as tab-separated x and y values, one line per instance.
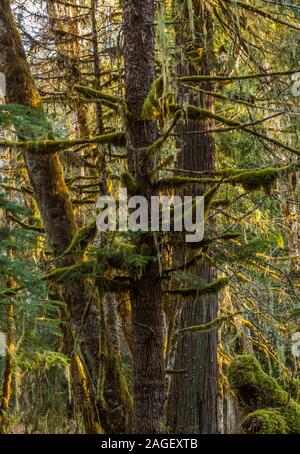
147	316
192	405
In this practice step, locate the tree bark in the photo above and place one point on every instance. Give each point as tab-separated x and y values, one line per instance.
192	402
146	299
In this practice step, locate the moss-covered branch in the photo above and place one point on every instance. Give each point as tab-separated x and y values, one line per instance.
252	180
221	78
109	101
53	146
25	226
153	100
89	269
213	287
214	324
180	182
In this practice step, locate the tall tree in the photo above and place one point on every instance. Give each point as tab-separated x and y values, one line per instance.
192	400
146	298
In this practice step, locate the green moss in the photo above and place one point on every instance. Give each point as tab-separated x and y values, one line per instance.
269	421
180	182
53	146
129	182
82	239
229	172
255	388
91	93
280	420
196	113
253	180
72	272
213	287
292	416
222	202
292	386
272	410
214	324
152	102
209	197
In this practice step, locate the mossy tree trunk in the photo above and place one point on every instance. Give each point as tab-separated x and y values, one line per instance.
146	299
192	406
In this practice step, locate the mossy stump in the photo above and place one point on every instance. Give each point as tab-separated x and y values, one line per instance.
271	409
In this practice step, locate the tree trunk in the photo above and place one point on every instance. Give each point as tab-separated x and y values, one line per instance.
192	403
146	299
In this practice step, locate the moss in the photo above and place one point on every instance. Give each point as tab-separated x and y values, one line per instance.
213	287
292	416
222	202
209	197
151	105
229	172
214	324
220	78
73	272
179	182
280	420
269	421
83	238
272	410
129	182
91	93
253	180
206	242
164	163
196	113
292	386
53	146
25	226
255	388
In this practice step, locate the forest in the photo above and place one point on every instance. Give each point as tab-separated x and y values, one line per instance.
142	327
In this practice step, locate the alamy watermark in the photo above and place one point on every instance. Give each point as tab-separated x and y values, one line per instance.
2	344
160	214
296	85
2	85
295	345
